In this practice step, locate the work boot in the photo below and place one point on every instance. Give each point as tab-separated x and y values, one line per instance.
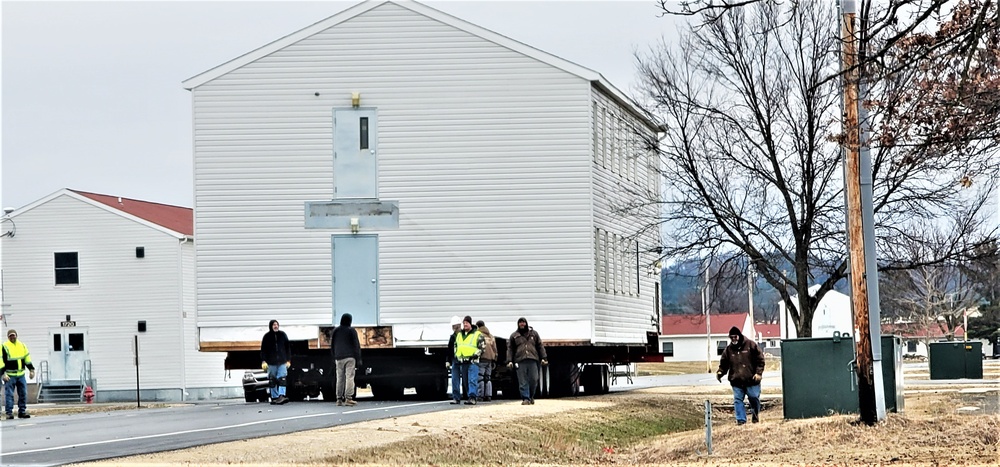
22	415
471	401
340	402
754	418
10	416
455	401
526	402
531	401
282	399
741	422
350	402
274	401
487	399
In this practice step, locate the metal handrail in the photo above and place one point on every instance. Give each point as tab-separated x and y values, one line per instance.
43	376
86	378
43	372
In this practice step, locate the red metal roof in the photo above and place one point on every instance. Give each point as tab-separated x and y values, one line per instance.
678	325
768	331
914	330
176	218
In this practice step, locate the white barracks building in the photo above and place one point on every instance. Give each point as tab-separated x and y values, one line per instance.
405	166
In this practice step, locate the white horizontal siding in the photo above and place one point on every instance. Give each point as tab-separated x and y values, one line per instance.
694	349
116	291
486	150
623	316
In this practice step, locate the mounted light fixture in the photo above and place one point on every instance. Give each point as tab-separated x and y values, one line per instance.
355	225
355	99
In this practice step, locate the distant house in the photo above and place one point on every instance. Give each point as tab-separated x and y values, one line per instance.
86	276
916	337
832	314
684	338
768	335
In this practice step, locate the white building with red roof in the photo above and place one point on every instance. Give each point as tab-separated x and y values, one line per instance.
687	338
86	276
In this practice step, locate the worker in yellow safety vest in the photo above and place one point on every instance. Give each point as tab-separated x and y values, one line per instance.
469	346
15	359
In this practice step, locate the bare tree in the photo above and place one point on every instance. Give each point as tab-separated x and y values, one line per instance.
934	295
752	160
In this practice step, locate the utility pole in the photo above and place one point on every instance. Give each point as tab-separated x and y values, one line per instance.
860	228
751	275
708	323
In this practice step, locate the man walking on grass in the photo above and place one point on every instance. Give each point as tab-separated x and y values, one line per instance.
744	362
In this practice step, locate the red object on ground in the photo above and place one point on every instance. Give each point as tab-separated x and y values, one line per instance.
88	395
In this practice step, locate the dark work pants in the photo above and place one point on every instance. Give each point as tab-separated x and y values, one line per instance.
527	378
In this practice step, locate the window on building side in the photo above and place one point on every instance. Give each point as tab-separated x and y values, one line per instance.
67	269
721	345
668	349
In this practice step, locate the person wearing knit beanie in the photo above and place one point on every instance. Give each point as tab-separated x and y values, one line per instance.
744	362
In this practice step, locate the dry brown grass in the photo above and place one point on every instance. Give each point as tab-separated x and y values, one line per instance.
839	440
690	368
931	435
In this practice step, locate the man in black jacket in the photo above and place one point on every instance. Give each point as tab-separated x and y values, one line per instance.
347	354
744	362
276	358
524	351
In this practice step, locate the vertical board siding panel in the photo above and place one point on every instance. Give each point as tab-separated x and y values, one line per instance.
487	151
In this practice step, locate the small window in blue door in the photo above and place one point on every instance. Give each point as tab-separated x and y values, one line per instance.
355	153
364	132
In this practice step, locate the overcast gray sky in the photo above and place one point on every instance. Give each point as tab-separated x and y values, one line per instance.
92	97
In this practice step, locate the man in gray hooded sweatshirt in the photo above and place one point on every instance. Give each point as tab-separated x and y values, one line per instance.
347	354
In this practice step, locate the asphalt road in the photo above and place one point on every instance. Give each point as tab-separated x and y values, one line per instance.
63	439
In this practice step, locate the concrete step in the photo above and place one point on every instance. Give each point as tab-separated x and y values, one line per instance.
61	393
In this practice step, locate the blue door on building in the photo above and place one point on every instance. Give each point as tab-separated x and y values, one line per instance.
355	159
355	278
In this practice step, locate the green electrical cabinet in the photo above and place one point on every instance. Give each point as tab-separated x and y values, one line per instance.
892	373
818	377
956	359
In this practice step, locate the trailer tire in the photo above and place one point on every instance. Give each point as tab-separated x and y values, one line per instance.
329	393
432	388
564	380
387	391
295	395
596	379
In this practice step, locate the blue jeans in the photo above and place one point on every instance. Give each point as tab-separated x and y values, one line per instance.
456	380
753	393
275	375
21	384
471	372
527	378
